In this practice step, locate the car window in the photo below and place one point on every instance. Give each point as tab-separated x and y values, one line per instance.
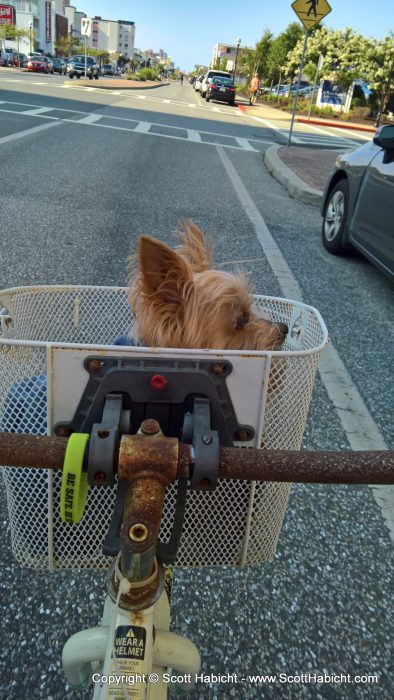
222	81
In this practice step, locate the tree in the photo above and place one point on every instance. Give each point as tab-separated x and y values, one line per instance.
13	33
67	45
280	48
263	48
341	49
377	65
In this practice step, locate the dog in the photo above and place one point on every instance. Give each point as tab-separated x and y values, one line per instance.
179	301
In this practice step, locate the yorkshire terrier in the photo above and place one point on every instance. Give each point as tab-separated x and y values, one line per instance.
178	301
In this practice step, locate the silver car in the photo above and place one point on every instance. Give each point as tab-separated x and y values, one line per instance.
197	83
358	202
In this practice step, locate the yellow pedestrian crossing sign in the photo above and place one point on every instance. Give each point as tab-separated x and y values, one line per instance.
310	12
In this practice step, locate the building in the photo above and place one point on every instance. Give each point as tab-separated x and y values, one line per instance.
114	36
46	20
38	18
226	52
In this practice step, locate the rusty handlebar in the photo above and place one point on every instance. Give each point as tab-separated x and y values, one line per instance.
375	467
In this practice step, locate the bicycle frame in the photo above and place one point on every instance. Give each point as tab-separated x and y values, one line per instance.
133	646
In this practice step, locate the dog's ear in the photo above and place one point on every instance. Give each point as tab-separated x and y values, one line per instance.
164	272
192	246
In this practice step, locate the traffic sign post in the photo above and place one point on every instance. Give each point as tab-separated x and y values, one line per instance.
298	87
310	13
86	30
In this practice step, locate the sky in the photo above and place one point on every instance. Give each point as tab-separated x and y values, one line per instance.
188	31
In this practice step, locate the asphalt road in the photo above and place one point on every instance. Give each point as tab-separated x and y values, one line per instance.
75	196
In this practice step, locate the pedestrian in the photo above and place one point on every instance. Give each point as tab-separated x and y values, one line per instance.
181	78
254	86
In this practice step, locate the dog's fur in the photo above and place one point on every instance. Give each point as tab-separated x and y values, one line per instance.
178	301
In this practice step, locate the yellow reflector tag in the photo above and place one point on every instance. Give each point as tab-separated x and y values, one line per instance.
74	489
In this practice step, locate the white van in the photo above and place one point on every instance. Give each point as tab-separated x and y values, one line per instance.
208	77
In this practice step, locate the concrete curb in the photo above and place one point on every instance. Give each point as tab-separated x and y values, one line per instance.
295	186
99	85
336	124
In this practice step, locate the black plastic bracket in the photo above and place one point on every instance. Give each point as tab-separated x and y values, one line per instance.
167	401
206	448
104	443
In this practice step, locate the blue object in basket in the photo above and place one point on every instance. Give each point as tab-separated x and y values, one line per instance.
25	407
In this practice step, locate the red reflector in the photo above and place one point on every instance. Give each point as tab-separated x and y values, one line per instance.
158	382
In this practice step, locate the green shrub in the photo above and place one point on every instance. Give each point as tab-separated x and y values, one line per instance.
360	112
148	74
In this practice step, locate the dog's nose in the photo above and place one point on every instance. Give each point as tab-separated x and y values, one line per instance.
284	329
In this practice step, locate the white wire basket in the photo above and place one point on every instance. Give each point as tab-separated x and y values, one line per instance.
48	331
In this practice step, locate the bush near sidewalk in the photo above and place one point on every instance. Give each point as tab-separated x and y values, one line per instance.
143	75
357	113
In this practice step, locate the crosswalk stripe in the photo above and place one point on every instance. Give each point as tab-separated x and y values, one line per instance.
142	127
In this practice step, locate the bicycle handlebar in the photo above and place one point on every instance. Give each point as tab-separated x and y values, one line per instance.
375	467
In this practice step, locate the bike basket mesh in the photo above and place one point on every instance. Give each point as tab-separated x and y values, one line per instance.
237	524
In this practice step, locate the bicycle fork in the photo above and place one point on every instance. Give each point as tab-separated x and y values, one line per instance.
128	655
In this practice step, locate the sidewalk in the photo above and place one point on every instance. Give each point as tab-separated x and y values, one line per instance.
302	170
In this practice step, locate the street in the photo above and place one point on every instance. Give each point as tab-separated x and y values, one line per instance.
84	172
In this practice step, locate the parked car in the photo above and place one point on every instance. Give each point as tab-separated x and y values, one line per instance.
208	77
22	60
3	57
358	202
59	66
197	83
12	56
277	89
285	90
77	67
107	69
49	62
221	90
37	64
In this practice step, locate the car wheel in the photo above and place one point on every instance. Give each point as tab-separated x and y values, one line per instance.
96	76
70	76
335	218
232	103
207	98
90	77
78	76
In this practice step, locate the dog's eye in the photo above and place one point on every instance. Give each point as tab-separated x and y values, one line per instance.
242	321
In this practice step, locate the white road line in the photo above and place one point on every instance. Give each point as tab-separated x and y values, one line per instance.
38	110
90	119
142	127
140	97
244	143
364	137
193	135
27	132
167	102
272	126
307	127
192	106
361	430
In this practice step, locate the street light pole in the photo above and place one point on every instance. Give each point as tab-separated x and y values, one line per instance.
30	28
236	57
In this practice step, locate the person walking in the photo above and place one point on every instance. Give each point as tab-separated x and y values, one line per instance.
254	86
